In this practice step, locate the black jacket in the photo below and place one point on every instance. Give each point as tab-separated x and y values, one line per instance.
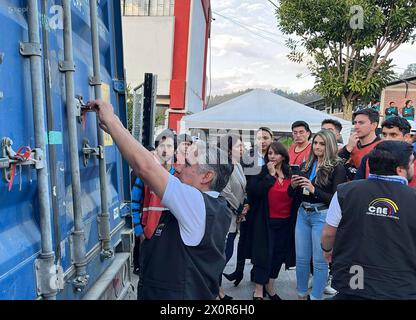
258	221
322	194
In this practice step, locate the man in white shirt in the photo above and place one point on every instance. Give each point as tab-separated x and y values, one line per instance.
185	257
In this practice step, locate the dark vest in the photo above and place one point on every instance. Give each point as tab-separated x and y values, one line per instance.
170	270
377	232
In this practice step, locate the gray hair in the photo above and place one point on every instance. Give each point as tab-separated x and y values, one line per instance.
215	160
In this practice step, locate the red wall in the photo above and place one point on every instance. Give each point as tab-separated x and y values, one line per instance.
180	57
174	119
180	54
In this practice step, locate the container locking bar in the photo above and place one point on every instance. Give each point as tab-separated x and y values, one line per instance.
9	158
88	151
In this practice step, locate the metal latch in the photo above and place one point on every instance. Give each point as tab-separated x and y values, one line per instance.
88	151
4	163
82	109
9	157
79	103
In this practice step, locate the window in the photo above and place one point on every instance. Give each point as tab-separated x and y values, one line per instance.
147	7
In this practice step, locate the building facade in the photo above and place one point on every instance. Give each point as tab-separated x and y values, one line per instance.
398	92
169	38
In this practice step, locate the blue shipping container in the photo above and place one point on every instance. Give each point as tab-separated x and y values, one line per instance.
21	275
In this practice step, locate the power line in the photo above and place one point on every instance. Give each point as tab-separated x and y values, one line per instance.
273	4
265	37
255	27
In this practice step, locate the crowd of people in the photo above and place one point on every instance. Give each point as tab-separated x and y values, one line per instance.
319	206
392	110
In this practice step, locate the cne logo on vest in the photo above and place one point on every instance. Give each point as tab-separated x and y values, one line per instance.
383	207
159	230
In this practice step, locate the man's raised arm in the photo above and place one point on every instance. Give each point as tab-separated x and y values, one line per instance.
139	158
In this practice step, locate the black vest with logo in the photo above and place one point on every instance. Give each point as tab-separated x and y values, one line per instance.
171	270
377	233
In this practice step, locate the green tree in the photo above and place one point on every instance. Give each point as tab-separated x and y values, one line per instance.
129	101
160	117
348	43
409	72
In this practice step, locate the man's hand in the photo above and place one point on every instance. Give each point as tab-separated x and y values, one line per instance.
352	142
104	112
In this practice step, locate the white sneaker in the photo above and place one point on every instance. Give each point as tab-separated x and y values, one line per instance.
328	289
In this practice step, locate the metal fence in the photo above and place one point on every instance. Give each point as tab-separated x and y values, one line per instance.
148	7
144	110
138	99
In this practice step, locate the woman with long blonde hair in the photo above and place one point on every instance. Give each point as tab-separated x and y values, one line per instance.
313	186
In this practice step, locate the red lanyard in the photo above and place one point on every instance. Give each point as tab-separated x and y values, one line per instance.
23	154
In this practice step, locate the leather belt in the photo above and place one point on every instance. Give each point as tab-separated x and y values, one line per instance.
314	209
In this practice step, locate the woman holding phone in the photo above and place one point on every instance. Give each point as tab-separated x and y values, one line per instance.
272	222
314	187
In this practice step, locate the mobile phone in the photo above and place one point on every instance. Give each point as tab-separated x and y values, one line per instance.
295	169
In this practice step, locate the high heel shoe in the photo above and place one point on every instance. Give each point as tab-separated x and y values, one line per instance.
271	297
257	298
226	297
234	277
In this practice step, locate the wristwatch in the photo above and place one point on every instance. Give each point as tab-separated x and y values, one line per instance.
325	250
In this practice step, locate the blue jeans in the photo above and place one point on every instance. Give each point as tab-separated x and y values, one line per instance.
308	233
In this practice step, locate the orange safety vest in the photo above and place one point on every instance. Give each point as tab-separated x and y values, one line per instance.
152	211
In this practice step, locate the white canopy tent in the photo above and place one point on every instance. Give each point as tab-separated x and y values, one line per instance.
260	108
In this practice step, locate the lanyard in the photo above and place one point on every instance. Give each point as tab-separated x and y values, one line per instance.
396	179
313	172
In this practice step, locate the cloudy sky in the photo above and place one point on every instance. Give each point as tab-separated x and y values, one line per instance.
248	50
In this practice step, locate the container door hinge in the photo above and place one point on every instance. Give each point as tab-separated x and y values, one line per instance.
119	86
